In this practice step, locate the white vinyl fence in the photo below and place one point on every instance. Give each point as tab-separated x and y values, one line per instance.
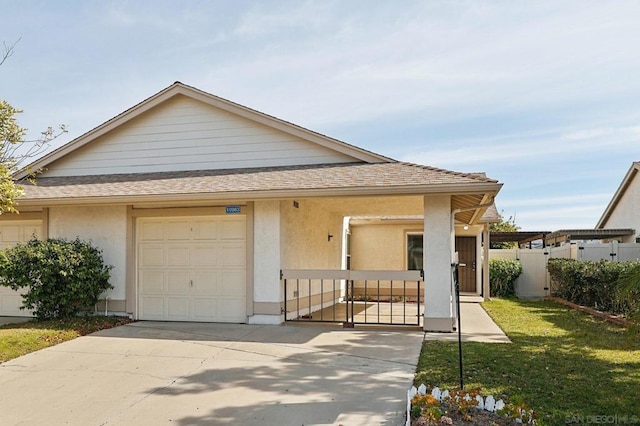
534	281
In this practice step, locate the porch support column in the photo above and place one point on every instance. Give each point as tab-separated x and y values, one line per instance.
485	262
437	255
267	292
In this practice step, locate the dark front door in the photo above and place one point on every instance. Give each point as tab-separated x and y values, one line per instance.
466	248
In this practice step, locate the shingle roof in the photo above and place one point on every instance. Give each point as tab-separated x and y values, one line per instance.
491	215
380	177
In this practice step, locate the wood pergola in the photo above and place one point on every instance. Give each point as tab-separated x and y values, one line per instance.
520	237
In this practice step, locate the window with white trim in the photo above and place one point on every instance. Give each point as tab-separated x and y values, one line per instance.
414	251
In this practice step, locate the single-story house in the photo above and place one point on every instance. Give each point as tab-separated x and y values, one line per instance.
199	203
623	211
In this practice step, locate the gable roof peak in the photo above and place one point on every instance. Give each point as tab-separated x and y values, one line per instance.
624	185
178	87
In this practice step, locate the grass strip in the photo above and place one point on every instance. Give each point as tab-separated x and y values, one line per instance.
22	338
565	364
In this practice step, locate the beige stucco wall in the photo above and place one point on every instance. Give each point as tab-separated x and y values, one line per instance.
304	232
305	244
367	251
380	246
105	227
627	212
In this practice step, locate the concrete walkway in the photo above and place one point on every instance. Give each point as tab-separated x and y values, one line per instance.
476	326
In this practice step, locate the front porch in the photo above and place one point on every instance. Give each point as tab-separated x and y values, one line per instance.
315	235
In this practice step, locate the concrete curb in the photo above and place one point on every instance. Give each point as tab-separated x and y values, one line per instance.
593	312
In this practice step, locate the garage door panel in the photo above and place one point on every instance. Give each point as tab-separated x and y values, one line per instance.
151	282
197	272
10	303
31	232
151	256
13	232
178	256
151	231
152	307
205	230
205	282
233	256
205	309
178	230
178	308
233	283
178	282
229	309
17	232
205	255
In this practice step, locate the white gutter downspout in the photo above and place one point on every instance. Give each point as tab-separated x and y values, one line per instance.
453	247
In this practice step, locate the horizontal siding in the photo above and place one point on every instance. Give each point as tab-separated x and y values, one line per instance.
626	214
197	141
184	134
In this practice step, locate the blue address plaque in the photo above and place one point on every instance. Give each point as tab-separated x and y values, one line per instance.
233	209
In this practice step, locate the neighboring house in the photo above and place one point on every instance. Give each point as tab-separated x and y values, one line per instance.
623	210
199	203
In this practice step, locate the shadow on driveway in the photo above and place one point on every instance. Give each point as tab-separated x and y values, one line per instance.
208	374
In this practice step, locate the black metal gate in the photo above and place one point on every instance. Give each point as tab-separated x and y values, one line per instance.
353	297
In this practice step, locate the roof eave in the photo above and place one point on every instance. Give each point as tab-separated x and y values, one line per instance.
453	189
477	215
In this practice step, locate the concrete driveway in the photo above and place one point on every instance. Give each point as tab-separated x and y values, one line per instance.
153	373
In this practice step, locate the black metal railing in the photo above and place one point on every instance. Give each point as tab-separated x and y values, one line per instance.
353	297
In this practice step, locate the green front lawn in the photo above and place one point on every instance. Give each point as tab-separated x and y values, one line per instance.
563	363
20	339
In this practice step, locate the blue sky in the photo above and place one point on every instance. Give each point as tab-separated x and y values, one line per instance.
541	95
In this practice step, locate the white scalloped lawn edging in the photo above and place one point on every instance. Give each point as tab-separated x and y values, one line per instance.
488	404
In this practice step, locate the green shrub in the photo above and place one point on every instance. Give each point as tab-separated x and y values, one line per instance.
503	274
629	283
61	277
593	283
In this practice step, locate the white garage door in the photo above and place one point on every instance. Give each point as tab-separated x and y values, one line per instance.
11	233
192	268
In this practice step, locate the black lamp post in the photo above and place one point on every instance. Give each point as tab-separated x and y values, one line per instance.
455	266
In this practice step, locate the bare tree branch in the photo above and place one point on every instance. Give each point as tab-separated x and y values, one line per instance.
7	50
23	152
